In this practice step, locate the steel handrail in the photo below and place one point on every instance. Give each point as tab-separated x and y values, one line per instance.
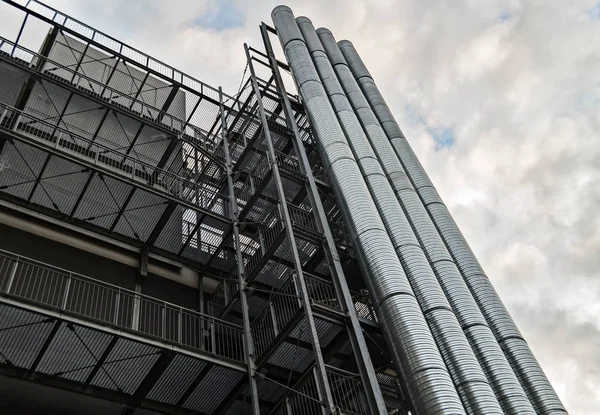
75	275
215	151
118	46
198	190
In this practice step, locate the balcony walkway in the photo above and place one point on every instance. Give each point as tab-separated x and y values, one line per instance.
76	333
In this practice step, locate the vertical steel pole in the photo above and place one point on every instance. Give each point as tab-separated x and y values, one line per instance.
299	282
201	309
11	278
142	274
248	342
357	340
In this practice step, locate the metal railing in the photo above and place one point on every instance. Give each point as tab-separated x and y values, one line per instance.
304	398
348	392
64	74
275	317
73	144
288	162
321	291
32	281
113	45
270	231
302	218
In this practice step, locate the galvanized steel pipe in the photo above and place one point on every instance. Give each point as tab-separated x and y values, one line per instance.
507	389
448	334
410	341
528	371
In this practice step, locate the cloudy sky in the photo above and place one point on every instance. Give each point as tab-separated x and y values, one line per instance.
501	101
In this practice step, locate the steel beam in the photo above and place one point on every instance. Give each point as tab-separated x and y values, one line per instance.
44	348
39	178
109	348
82	193
192	387
160	225
122	209
165	108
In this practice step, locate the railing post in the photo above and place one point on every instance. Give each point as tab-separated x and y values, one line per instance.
213	337
202	310
3	115
179	325
67	290
164	321
12	275
15	127
135	322
117	304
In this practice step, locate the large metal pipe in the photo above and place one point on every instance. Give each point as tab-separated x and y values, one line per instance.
469	379
531	376
410	341
506	387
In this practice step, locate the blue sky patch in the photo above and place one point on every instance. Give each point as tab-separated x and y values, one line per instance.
504	16
443	136
594	12
223	15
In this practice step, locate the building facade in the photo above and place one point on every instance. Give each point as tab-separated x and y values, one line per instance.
168	248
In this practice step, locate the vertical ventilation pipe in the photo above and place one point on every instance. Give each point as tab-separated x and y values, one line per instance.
410	341
500	375
528	371
470	381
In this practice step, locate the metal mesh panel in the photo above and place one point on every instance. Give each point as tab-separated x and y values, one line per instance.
217	384
22	335
171	385
74	352
126	366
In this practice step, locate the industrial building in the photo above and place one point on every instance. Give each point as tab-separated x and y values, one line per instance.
167	247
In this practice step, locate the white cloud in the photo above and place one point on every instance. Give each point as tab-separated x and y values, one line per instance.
516	80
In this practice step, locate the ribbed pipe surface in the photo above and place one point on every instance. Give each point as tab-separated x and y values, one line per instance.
530	375
456	352
498	371
409	338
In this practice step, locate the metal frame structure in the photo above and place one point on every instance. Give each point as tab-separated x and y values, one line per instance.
245	231
232	187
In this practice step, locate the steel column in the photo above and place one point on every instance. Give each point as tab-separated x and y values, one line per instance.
299	282
248	342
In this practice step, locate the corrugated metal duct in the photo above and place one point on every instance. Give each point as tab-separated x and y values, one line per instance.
500	375
468	377
410	341
528	371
